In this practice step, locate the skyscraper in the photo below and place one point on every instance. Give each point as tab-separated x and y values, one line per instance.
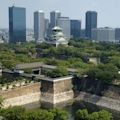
54	16
39	26
91	22
47	28
103	34
75	28
117	35
17	24
82	33
64	23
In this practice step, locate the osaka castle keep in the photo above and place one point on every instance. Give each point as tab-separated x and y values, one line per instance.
57	37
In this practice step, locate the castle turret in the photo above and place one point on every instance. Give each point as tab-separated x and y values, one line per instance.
57	37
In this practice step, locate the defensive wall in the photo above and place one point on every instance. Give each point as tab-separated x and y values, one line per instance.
52	91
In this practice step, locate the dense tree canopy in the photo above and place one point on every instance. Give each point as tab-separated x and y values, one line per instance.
58	72
20	113
76	55
101	115
106	73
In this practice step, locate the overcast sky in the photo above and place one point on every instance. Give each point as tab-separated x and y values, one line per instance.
108	10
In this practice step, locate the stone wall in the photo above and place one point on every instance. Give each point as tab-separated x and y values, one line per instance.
22	95
54	91
98	93
102	101
62	86
57	90
51	91
97	87
112	92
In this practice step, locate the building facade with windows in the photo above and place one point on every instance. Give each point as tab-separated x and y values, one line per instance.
64	24
91	22
54	16
103	35
17	24
39	26
75	28
117	35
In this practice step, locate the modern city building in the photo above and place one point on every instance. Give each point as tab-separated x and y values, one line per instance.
47	24
75	28
64	23
54	16
103	34
17	24
4	35
30	35
39	26
117	35
82	33
91	22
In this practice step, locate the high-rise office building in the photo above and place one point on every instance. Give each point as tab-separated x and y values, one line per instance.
64	23
117	35
47	24
103	34
91	22
39	26
82	33
75	28
54	16
17	24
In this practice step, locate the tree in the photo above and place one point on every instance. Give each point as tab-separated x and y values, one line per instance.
101	115
14	113
115	60
59	114
104	72
58	72
1	102
51	62
104	115
91	72
82	115
94	116
20	113
37	115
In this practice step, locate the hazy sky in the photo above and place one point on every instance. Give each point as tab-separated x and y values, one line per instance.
108	10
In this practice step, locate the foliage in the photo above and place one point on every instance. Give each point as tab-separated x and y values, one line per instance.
59	114
82	115
37	115
51	62
101	115
20	113
58	72
1	102
76	55
106	73
14	113
11	54
8	80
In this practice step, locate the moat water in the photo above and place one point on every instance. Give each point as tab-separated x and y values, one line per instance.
72	107
91	108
